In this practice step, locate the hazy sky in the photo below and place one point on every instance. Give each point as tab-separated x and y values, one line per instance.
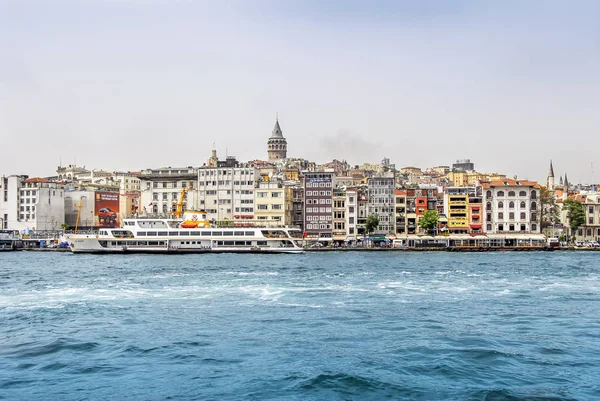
127	85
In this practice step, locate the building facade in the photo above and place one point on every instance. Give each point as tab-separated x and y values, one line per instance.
31	203
511	206
318	199
381	203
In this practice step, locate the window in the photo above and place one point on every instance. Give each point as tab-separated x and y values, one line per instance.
522	205
522	215
534	227
523	227
500	193
488	194
533	206
261	207
277	207
511	216
500	205
511	193
511	205
500	216
534	194
522	193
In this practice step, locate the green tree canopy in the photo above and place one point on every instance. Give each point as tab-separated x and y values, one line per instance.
429	220
575	214
549	208
371	224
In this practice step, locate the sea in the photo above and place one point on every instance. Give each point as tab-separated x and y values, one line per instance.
344	325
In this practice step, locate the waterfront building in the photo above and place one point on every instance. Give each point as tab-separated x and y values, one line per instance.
161	189
590	230
381	202
339	214
362	207
400	212
456	201
475	207
272	203
226	192
318	198
297	205
511	206
31	203
351	213
277	144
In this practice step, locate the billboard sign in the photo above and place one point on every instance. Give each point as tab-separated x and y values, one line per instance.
106	209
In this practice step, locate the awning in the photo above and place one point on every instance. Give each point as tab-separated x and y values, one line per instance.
477	226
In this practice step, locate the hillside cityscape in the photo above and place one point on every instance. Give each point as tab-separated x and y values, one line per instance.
330	202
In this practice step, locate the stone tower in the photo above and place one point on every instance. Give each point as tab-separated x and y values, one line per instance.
277	145
550	179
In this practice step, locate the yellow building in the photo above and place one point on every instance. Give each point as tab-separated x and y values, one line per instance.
456	207
273	203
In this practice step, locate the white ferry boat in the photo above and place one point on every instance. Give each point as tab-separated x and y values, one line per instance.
192	234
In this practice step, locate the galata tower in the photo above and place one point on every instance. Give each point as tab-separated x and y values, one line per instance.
277	145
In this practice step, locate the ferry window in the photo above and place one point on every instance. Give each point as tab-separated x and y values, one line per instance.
217	233
151	233
249	233
228	233
162	233
173	234
156	243
206	233
228	242
239	233
183	233
143	242
261	243
240	242
194	232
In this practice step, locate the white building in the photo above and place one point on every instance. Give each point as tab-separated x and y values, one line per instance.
227	190
161	190
511	206
381	202
31	203
351	213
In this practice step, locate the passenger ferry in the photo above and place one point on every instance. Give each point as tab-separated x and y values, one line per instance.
192	234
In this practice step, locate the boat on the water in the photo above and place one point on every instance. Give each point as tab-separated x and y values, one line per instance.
192	234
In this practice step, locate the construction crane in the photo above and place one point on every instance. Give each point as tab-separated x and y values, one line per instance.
179	209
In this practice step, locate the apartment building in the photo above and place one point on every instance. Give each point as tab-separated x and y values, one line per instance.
339	214
161	190
226	192
318	199
31	203
270	202
511	206
381	202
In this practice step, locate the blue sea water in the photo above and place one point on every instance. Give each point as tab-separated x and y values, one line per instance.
318	326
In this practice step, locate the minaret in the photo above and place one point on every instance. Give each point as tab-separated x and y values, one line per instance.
566	182
550	179
277	145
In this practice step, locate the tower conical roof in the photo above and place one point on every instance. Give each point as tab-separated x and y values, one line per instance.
277	130
566	181
551	172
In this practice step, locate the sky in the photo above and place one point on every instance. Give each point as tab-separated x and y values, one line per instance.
129	85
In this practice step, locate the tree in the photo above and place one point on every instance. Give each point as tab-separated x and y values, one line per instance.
575	214
64	226
549	209
429	220
371	224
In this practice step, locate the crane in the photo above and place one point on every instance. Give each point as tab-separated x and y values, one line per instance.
179	209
